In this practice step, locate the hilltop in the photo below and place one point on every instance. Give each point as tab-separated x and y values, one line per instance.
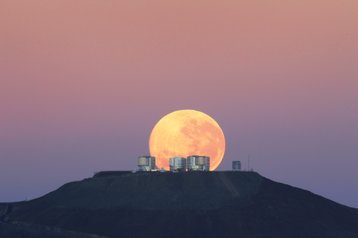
197	204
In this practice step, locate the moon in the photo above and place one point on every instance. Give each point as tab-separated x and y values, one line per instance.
184	133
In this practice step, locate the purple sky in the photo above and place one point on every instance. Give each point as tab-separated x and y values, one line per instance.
82	83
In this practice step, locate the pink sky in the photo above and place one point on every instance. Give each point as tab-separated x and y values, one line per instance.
83	82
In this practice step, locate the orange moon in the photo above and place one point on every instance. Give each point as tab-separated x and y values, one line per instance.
184	133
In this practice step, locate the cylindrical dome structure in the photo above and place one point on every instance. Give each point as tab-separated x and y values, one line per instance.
177	164
236	165
198	163
146	163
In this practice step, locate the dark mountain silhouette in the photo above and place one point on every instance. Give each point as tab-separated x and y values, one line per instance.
197	204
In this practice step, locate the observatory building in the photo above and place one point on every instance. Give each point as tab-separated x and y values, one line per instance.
177	164
236	165
198	163
146	163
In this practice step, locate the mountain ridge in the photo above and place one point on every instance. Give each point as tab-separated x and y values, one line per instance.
204	204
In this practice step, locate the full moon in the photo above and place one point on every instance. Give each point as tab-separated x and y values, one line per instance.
184	133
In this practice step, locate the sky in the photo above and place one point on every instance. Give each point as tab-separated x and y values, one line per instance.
82	84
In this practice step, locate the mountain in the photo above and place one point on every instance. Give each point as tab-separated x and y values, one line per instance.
195	204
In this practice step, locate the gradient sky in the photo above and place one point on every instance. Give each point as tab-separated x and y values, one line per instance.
82	83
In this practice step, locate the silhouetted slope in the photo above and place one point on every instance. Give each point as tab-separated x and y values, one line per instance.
219	204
